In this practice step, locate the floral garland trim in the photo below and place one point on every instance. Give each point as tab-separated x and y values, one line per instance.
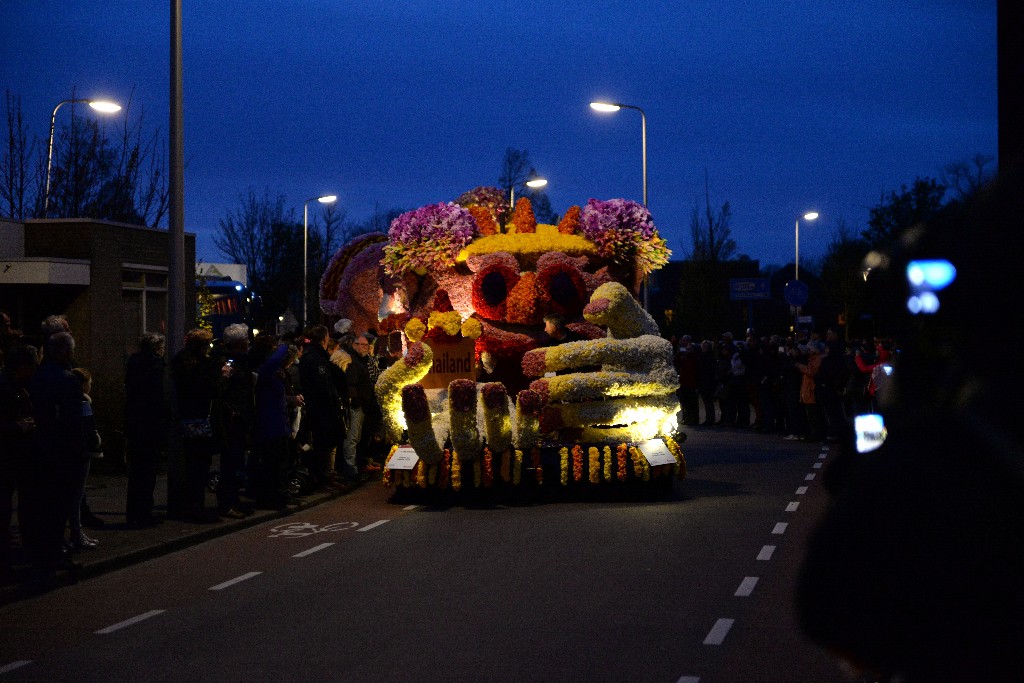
506	464
517	469
444	472
488	474
607	463
641	468
386	476
674	449
577	463
421	474
620	456
594	462
456	472
538	467
563	459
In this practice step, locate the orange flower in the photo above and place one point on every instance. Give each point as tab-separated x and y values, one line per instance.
577	462
521	306
523	218
570	222
488	468
620	456
484	220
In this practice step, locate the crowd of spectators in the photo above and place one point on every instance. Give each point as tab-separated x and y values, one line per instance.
802	386
266	406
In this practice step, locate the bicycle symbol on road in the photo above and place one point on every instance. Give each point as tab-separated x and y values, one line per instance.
301	529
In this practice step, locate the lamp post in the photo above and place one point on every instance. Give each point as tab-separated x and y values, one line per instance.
809	216
532	182
324	199
102	106
608	107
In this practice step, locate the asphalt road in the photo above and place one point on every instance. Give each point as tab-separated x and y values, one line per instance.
697	587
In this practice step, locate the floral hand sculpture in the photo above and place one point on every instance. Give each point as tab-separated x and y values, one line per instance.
630	399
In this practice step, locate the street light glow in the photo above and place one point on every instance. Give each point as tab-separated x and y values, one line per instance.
105	106
810	215
537	182
604	106
327	199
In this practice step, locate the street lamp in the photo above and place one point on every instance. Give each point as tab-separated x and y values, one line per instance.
607	107
325	199
532	183
809	216
102	106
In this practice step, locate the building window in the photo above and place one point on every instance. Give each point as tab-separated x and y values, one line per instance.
144	301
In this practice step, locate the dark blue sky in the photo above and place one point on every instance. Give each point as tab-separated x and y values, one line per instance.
789	106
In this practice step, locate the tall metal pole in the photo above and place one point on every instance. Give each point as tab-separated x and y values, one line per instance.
796	260
305	263
49	155
176	232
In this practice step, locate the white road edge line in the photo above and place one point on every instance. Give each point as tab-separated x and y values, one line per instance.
801	490
14	665
314	549
129	622
766	553
232	582
780	528
374	525
410	507
746	587
689	679
718	632
792	507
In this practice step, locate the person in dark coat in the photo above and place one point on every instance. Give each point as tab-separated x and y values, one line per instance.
234	414
195	376
16	428
272	433
146	421
362	402
324	389
56	452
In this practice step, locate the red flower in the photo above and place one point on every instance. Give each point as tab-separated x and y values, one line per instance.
462	394
523	218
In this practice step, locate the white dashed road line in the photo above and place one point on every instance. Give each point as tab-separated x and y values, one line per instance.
232	582
129	622
14	665
801	490
689	679
746	587
374	525
719	631
792	507
410	507
809	477
816	466
314	549
766	553
780	528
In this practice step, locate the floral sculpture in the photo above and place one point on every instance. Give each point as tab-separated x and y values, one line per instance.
467	273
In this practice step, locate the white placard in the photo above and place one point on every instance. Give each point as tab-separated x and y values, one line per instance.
405	458
657	453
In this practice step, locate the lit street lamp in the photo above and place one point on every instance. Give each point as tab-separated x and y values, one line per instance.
102	106
809	216
532	183
325	199
608	108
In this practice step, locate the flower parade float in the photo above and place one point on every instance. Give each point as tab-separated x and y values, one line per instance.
478	400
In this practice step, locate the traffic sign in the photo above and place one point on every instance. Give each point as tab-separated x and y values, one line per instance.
796	293
749	288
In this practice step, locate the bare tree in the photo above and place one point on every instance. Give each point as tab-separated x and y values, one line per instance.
15	174
710	238
516	169
967	176
92	176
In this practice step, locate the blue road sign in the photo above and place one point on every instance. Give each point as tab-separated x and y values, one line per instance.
749	288
796	293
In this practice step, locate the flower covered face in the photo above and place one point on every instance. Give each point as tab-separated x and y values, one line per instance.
504	293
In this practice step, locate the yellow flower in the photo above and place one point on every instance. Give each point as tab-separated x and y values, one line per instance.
471	328
563	455
415	329
594	458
